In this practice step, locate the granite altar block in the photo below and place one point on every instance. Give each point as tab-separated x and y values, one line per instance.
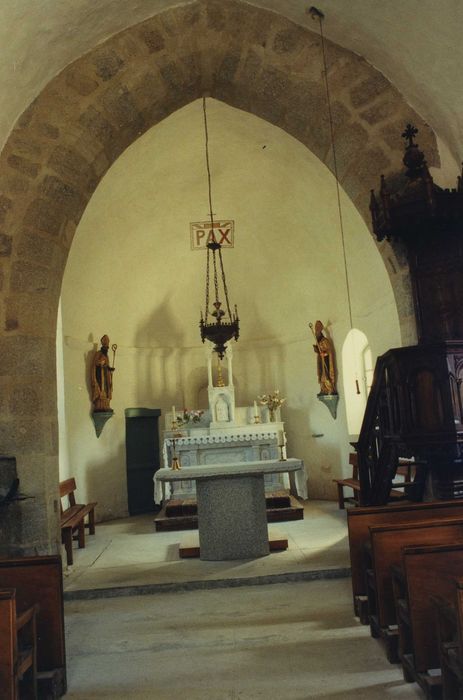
232	516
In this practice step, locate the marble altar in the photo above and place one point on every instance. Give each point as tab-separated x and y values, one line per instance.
232	519
242	443
225	434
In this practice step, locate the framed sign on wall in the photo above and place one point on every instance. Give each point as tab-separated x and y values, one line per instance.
204	232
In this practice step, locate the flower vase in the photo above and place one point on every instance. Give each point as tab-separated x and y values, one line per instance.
271	415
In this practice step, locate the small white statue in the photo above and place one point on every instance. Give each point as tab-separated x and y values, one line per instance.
221	410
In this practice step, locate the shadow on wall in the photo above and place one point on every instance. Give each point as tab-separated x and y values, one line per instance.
159	373
196	384
106	483
88	359
258	367
321	471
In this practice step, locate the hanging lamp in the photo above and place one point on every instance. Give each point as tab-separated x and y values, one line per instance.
218	325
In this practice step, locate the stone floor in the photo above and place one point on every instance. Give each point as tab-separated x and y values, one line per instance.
289	641
293	640
128	553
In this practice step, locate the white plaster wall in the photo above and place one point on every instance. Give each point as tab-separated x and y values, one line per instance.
131	274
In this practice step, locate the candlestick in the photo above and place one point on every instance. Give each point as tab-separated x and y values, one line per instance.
175	464
256	413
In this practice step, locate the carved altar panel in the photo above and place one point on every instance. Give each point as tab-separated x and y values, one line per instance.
244	444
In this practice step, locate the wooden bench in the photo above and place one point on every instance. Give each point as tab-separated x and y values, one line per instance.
39	581
405	469
425	573
351	483
383	551
359	520
73	518
18	645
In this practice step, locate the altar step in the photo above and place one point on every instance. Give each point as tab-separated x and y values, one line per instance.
189	547
180	514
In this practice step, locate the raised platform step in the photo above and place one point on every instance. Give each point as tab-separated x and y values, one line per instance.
180	514
189	546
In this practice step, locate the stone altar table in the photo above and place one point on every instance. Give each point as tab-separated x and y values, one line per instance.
232	518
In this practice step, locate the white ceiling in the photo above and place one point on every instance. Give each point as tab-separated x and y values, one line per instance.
415	43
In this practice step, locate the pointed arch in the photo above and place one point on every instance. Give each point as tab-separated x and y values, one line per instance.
70	135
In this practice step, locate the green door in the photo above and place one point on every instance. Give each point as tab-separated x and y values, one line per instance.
142	451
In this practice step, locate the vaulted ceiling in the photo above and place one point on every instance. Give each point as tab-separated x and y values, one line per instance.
416	44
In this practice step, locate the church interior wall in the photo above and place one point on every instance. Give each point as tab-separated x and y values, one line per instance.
132	274
76	125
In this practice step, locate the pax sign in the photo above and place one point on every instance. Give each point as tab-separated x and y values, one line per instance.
203	232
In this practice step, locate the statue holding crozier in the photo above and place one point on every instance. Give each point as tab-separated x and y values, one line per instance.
326	370
102	376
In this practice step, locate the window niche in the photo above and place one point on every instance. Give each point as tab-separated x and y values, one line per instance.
357	370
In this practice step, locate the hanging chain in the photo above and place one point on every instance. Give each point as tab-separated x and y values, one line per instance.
224	284
209	186
316	14
207	163
207	286
216	281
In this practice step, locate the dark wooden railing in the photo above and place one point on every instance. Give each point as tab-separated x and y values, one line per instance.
414	411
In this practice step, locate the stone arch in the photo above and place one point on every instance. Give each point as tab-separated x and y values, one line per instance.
70	135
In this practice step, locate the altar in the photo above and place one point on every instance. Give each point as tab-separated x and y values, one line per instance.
225	434
232	517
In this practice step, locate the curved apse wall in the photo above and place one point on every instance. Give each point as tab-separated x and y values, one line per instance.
131	274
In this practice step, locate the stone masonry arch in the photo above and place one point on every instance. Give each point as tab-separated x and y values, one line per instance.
70	135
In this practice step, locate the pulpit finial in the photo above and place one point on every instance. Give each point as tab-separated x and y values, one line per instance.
409	133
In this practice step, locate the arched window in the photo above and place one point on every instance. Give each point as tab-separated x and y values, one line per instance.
357	371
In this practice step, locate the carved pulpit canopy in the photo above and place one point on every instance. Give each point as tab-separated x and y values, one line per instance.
410	205
428	220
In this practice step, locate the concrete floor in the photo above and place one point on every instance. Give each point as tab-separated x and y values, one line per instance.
292	640
289	641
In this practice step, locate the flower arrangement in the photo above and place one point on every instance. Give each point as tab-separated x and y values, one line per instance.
190	416
272	401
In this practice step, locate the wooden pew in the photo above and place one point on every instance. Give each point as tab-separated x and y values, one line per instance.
73	518
449	624
18	644
424	574
449	650
38	580
359	520
384	550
